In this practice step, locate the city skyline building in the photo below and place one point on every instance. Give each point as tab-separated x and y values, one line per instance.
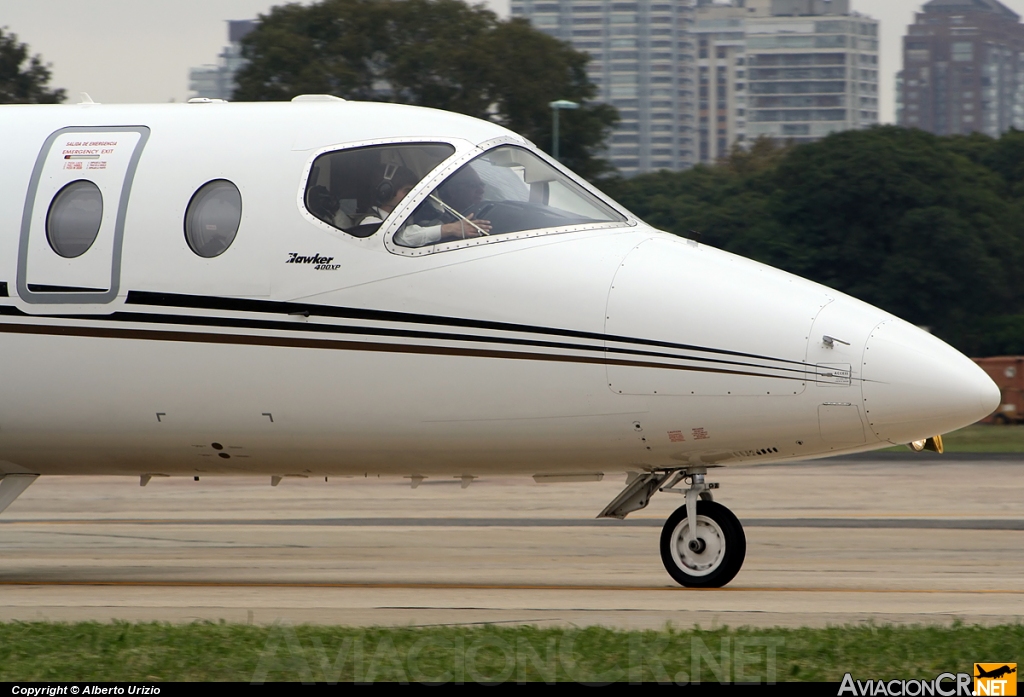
218	81
690	81
721	59
963	69
811	70
643	57
772	68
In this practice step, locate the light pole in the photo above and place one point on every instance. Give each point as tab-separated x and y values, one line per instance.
557	106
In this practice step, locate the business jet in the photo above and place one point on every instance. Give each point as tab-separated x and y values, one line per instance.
324	287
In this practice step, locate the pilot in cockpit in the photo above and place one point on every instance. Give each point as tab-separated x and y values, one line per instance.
394	184
433	220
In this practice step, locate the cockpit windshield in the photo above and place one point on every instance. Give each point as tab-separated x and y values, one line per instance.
505	190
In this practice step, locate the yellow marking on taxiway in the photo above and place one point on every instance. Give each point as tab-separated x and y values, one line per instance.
497	587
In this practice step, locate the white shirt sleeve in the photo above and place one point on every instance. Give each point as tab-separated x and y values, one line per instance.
415	236
374	215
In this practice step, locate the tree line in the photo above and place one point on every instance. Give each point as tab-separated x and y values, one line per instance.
433	53
929	228
24	78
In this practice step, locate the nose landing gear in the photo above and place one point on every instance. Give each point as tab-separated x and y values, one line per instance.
716	553
702	542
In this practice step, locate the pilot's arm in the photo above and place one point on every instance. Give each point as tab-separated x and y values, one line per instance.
417	236
426	227
414	235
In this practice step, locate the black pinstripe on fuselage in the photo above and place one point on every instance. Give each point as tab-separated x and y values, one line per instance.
274	323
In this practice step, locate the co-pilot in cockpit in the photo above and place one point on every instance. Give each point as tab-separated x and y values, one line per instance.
504	190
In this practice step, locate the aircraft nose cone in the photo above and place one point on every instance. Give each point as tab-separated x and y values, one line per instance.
916	386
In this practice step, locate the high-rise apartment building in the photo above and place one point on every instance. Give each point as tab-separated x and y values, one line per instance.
690	82
643	62
720	30
811	70
790	69
218	81
963	69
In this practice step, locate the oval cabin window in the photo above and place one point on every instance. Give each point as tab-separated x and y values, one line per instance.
74	218
212	218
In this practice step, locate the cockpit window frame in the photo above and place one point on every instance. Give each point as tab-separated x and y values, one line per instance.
450	166
462	148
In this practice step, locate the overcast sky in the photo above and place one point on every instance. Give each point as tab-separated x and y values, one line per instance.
132	51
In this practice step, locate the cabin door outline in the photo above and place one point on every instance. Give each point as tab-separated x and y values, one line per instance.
39	266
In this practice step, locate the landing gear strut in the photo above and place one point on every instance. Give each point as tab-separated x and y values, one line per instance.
702	543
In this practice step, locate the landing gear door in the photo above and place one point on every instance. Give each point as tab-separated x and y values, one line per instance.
72	228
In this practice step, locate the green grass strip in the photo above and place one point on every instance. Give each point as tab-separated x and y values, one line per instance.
90	651
981	438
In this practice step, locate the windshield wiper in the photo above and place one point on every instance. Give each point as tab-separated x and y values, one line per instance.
458	215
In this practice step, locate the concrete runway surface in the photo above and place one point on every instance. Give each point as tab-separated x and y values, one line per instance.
891	541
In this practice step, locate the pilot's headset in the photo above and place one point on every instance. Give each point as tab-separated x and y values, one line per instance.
386	189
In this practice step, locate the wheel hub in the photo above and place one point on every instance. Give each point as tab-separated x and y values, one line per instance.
704	554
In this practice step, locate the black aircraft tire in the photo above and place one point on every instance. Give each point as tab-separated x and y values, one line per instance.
725	546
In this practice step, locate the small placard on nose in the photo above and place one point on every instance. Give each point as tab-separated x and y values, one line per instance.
832	374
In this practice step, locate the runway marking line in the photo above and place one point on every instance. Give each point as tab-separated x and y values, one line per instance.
487	586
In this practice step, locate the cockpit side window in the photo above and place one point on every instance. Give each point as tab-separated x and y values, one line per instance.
505	190
355	190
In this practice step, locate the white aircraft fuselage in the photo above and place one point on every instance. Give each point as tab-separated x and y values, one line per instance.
301	350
